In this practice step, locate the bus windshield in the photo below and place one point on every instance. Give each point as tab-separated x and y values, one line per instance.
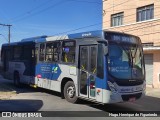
125	60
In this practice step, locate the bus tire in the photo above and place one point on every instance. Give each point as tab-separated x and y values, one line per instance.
16	79
70	92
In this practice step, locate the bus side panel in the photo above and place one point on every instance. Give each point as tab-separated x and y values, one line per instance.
69	71
48	76
21	68
50	71
47	84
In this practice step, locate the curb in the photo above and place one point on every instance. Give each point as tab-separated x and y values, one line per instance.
7	95
153	92
6	92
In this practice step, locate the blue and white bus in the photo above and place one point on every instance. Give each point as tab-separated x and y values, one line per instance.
99	66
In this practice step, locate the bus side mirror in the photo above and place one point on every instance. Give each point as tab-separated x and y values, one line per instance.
105	46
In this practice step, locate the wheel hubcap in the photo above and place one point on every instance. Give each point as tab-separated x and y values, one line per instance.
70	91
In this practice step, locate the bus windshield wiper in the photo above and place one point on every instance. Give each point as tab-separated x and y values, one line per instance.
135	51
129	54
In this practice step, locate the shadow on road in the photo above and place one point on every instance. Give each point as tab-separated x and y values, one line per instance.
7	86
146	103
20	105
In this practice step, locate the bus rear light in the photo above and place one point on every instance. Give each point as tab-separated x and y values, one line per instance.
39	76
92	86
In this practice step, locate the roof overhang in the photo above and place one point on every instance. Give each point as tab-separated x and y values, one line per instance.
151	48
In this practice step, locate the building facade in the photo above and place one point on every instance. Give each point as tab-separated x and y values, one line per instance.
141	18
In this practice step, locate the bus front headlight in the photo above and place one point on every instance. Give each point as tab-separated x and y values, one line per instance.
112	87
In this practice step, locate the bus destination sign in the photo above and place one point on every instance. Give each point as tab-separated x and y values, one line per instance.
121	38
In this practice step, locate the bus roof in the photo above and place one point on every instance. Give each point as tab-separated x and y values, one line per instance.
91	34
97	33
44	38
39	38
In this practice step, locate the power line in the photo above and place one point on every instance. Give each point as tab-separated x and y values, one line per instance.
88	25
43	10
92	24
30	14
85	1
4	37
9	31
119	4
40	11
140	27
77	29
30	11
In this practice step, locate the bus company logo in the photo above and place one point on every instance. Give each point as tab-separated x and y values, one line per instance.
86	34
54	69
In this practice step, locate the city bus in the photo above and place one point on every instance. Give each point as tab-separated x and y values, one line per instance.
98	66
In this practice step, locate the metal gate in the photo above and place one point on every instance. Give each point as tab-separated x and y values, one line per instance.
148	58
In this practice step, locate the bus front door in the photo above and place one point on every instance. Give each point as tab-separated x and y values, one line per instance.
87	71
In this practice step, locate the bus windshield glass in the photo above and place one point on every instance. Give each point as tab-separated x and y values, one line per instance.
125	58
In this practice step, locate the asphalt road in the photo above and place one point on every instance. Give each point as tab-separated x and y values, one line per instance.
30	100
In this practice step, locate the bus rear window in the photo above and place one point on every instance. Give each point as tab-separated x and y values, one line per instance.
17	53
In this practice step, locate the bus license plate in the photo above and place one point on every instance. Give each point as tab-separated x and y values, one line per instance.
132	99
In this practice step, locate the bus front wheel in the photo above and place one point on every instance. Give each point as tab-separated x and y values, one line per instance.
70	92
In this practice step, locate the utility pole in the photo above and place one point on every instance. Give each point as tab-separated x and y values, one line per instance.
9	31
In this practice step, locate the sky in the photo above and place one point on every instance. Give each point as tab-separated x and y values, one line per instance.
30	18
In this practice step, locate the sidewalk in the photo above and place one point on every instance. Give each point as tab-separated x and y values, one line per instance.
153	92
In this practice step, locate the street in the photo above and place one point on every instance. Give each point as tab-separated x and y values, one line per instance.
31	99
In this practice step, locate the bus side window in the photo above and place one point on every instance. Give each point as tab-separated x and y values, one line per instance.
49	52
41	52
26	53
56	51
68	52
2	54
36	55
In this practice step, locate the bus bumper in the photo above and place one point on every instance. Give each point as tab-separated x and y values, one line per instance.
124	94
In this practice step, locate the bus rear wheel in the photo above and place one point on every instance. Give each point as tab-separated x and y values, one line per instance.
70	92
16	80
